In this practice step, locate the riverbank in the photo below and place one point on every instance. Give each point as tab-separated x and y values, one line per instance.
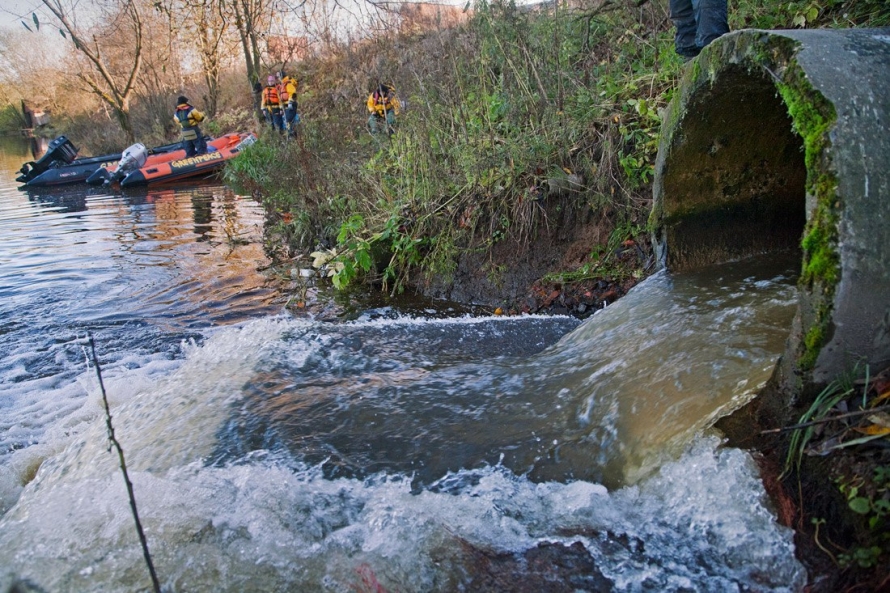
829	480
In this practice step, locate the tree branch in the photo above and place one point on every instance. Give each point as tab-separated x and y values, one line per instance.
826	420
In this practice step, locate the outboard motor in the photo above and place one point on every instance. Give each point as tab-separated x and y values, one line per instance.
59	152
132	158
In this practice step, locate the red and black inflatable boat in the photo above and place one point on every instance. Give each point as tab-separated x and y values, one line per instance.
223	149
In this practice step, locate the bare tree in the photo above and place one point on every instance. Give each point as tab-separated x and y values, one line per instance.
107	76
251	18
212	23
161	76
204	26
20	65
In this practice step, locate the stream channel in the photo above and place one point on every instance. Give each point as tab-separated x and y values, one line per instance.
399	450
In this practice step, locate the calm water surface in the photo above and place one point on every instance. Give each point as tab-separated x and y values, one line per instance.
270	453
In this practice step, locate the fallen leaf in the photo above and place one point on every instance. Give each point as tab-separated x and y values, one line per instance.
320	258
880	418
874	429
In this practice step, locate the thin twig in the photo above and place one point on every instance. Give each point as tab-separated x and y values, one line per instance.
120	454
825	420
818	543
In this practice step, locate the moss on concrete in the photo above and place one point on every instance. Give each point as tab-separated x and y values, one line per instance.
813	117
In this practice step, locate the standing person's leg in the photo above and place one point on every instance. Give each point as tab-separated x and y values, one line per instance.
189	147
712	17
373	124
290	116
683	17
200	143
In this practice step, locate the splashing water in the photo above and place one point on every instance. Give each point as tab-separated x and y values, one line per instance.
420	455
385	454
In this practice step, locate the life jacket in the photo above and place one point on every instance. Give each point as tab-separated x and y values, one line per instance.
188	118
287	88
271	98
380	104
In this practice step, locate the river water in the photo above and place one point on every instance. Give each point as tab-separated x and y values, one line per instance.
391	452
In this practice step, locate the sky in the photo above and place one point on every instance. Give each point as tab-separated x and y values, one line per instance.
12	10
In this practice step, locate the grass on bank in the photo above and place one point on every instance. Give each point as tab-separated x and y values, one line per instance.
504	115
844	437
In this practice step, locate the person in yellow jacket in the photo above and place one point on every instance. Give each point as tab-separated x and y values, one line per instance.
287	91
188	119
384	107
271	105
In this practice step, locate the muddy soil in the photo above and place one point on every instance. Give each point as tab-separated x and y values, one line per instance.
543	274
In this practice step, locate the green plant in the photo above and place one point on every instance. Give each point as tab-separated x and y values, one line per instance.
355	256
495	274
863	502
844	421
10	118
255	163
833	393
871	500
864	557
806	14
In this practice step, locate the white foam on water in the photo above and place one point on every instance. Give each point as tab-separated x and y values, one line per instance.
164	411
700	524
264	522
42	416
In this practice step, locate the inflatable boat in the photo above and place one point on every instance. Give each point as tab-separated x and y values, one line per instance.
60	156
138	157
223	149
59	165
75	172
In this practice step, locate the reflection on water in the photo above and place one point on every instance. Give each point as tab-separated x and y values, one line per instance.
14	152
142	270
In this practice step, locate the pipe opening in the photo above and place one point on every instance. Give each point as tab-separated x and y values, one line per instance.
735	182
732	179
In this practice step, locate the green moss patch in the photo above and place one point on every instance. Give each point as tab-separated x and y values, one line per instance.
813	117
